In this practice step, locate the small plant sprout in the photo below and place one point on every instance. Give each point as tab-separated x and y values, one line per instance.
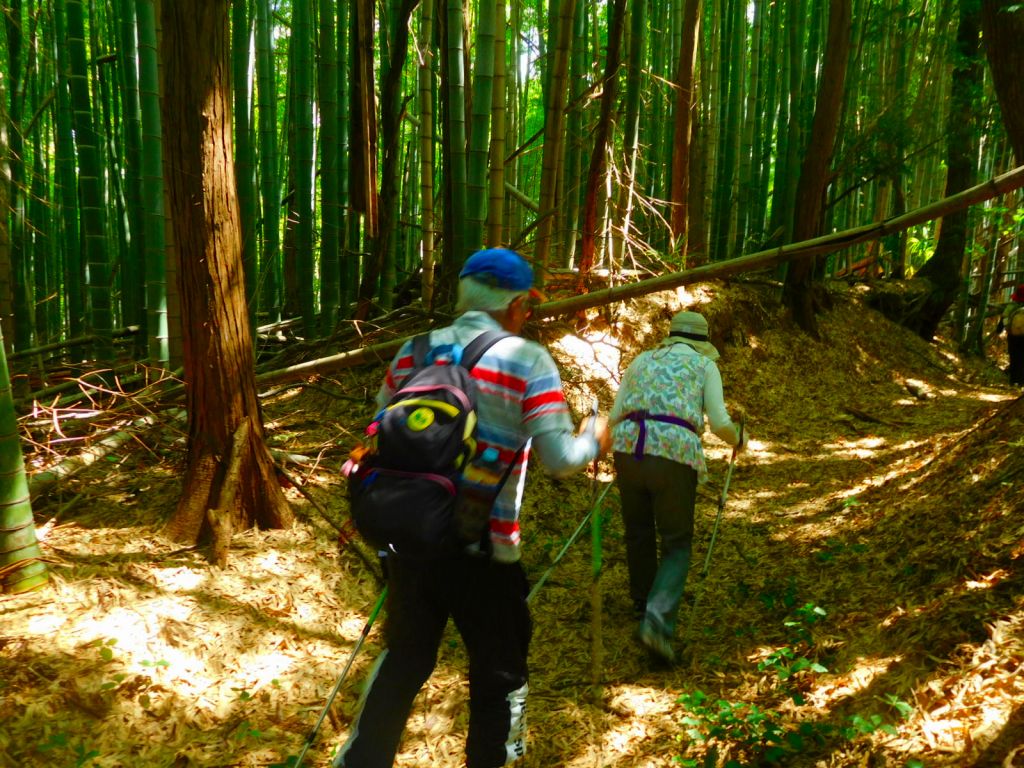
106	646
902	708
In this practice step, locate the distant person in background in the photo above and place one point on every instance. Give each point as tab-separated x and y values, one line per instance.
659	460
1012	320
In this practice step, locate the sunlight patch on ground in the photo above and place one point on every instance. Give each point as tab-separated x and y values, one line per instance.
865	672
892	470
694	294
131	628
640	701
351	626
143	640
865	448
434	734
738	505
179	579
266	668
988	580
897	613
194	639
992	397
643	711
596	355
991	684
271	562
757	451
45	624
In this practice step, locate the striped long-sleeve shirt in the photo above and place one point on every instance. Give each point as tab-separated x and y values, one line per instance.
520	405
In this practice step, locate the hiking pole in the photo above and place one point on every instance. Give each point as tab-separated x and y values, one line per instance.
596	644
721	503
714	533
345	532
568	543
344	673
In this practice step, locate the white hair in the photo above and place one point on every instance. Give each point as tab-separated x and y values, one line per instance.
479	296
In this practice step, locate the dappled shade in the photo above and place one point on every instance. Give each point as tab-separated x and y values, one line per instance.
866	578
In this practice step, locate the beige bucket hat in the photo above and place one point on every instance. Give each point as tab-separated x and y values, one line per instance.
692	329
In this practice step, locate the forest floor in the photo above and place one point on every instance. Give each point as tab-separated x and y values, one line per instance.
864	604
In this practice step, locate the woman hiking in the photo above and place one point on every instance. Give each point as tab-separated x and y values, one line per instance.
659	460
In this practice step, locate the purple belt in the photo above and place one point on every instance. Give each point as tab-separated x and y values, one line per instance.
640	418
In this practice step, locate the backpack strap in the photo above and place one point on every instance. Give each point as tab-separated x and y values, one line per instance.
420	350
486	548
473	351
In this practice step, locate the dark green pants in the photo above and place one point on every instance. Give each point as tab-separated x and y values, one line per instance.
658	500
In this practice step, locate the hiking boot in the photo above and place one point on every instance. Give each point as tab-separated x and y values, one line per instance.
656	642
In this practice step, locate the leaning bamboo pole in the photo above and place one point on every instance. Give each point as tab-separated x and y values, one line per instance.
818	246
806	249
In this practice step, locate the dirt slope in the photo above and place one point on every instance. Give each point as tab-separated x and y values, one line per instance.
863	607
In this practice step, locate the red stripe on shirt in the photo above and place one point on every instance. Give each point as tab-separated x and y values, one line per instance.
504	527
544	398
494	376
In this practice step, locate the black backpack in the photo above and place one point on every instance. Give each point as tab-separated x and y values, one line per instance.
405	492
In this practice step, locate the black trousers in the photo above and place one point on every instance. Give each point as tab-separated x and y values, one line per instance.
1015	347
487	601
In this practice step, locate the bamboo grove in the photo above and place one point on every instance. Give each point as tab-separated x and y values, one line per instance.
377	144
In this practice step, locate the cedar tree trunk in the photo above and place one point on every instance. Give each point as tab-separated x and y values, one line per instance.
1002	25
944	272
230	481
798	292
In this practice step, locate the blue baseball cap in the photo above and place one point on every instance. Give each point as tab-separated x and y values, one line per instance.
499	268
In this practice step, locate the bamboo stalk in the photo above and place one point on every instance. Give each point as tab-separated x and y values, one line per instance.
383	352
818	246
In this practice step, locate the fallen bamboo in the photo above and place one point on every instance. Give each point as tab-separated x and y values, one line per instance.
75	342
41	482
819	246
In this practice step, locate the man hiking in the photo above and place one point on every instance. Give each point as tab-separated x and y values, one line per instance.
522	411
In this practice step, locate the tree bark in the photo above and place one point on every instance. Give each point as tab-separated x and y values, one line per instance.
814	175
946	268
596	172
219	360
1002	25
